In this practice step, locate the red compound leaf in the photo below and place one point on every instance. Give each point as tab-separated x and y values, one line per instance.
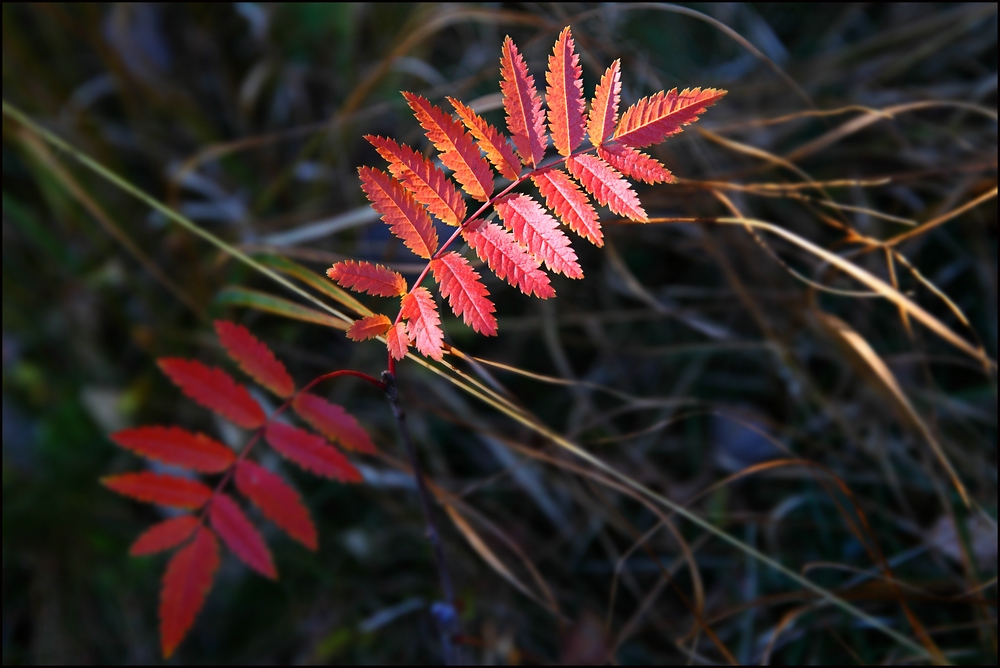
407	219
508	259
240	536
604	108
460	285
311	452
458	151
525	119
214	389
333	422
493	144
366	277
369	327
396	341
423	178
539	232
607	186
424	324
571	204
164	536
163	490
653	119
280	503
255	358
634	164
173	445
186	583
564	94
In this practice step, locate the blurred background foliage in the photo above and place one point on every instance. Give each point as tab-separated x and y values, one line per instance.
690	352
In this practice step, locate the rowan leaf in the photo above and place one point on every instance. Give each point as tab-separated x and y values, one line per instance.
333	422
653	119
367	277
186	583
158	488
173	445
277	501
604	108
508	259
525	119
635	164
423	178
490	140
255	358
240	536
396	341
564	94
369	327
407	219
215	390
164	536
460	285
607	186
571	204
457	150
311	452
539	232
424	324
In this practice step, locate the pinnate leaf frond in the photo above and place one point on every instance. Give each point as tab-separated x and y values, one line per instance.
423	323
369	327
564	197
173	445
423	178
214	389
491	141
607	186
240	536
161	489
604	108
166	535
635	164
508	259
407	219
277	501
539	232
310	451
460	285
653	119
255	359
458	151
367	277
396	341
525	119
564	94
333	422
186	583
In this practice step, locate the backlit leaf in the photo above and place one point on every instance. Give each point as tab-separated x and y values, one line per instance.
424	324
564	197
173	445
310	451
164	536
280	503
369	327
214	389
255	359
539	232
493	144
564	94
367	277
240	536
525	119
333	422
460	285
396	341
604	108
653	119
607	186
163	490
407	219
186	583
423	178
635	164
508	259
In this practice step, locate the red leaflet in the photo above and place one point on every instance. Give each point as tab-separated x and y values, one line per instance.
604	108
653	119
421	177
525	120
507	259
185	584
458	152
255	358
404	216
371	278
311	452
240	536
165	535
634	164
493	144
424	325
571	204
214	389
607	186
564	94
369	327
460	285
534	228
280	503
397	341
333	422
173	445
163	490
